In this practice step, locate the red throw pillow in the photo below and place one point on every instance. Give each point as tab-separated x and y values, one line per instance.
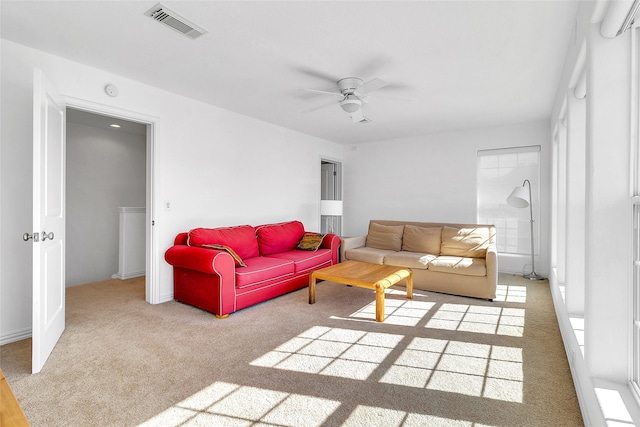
277	238
241	238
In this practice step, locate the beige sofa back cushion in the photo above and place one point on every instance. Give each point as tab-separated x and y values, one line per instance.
465	242
422	239
385	236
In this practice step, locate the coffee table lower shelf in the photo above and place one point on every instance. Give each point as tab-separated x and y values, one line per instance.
363	275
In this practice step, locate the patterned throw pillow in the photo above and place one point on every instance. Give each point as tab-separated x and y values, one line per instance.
310	241
238	260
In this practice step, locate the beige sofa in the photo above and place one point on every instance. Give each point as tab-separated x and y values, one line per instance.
459	259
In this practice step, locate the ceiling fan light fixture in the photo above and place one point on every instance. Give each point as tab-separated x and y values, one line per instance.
351	103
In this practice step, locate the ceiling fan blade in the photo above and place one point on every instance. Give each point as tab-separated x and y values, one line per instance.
371	85
392	98
318	74
318	107
324	92
357	116
373	66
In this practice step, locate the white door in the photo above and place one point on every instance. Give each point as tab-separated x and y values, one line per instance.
328	181
48	219
330	190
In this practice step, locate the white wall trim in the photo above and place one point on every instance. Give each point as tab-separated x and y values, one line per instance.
591	412
152	285
19	335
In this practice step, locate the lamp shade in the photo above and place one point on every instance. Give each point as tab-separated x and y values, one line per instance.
351	103
519	197
331	207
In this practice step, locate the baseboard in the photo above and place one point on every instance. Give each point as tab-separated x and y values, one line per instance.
128	275
165	298
19	335
517	273
582	381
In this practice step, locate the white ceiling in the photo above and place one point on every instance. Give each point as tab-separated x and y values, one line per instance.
450	64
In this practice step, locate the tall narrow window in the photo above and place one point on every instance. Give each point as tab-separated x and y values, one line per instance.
499	172
635	232
635	368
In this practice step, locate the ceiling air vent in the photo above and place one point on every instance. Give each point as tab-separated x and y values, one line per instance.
171	19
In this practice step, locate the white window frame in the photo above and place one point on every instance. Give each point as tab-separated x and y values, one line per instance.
512	224
635	327
634	291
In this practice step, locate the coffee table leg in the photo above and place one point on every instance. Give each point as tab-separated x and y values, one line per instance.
410	286
379	303
312	289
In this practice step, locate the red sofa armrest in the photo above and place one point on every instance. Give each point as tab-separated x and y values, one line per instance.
204	260
332	242
204	278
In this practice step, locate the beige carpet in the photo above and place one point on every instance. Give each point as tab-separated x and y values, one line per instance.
437	360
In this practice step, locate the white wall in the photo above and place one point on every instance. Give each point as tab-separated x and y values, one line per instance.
433	178
105	170
215	167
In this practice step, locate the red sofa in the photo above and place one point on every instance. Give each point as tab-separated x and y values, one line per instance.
222	270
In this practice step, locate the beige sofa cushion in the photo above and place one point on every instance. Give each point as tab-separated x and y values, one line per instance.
406	259
465	242
422	239
385	237
365	254
459	265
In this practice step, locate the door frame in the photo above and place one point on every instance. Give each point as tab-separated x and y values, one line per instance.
152	290
339	186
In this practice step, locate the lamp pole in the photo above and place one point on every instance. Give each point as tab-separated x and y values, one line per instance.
533	275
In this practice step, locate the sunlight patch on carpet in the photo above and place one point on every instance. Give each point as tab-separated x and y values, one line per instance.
480	319
344	353
482	370
402	312
225	404
511	293
383	417
471	369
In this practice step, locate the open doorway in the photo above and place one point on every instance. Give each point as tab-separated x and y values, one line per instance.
331	197
106	171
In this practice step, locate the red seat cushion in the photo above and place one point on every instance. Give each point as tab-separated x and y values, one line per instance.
276	238
241	238
261	270
306	260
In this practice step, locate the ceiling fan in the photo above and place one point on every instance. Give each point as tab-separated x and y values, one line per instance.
352	93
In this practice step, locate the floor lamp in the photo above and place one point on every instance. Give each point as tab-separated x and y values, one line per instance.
333	210
520	199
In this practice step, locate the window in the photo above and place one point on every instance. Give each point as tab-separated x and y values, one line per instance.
635	380
635	232
499	172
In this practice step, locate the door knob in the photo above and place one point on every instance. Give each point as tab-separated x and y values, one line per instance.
34	236
46	236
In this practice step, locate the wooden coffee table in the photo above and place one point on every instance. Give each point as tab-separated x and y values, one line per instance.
363	275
